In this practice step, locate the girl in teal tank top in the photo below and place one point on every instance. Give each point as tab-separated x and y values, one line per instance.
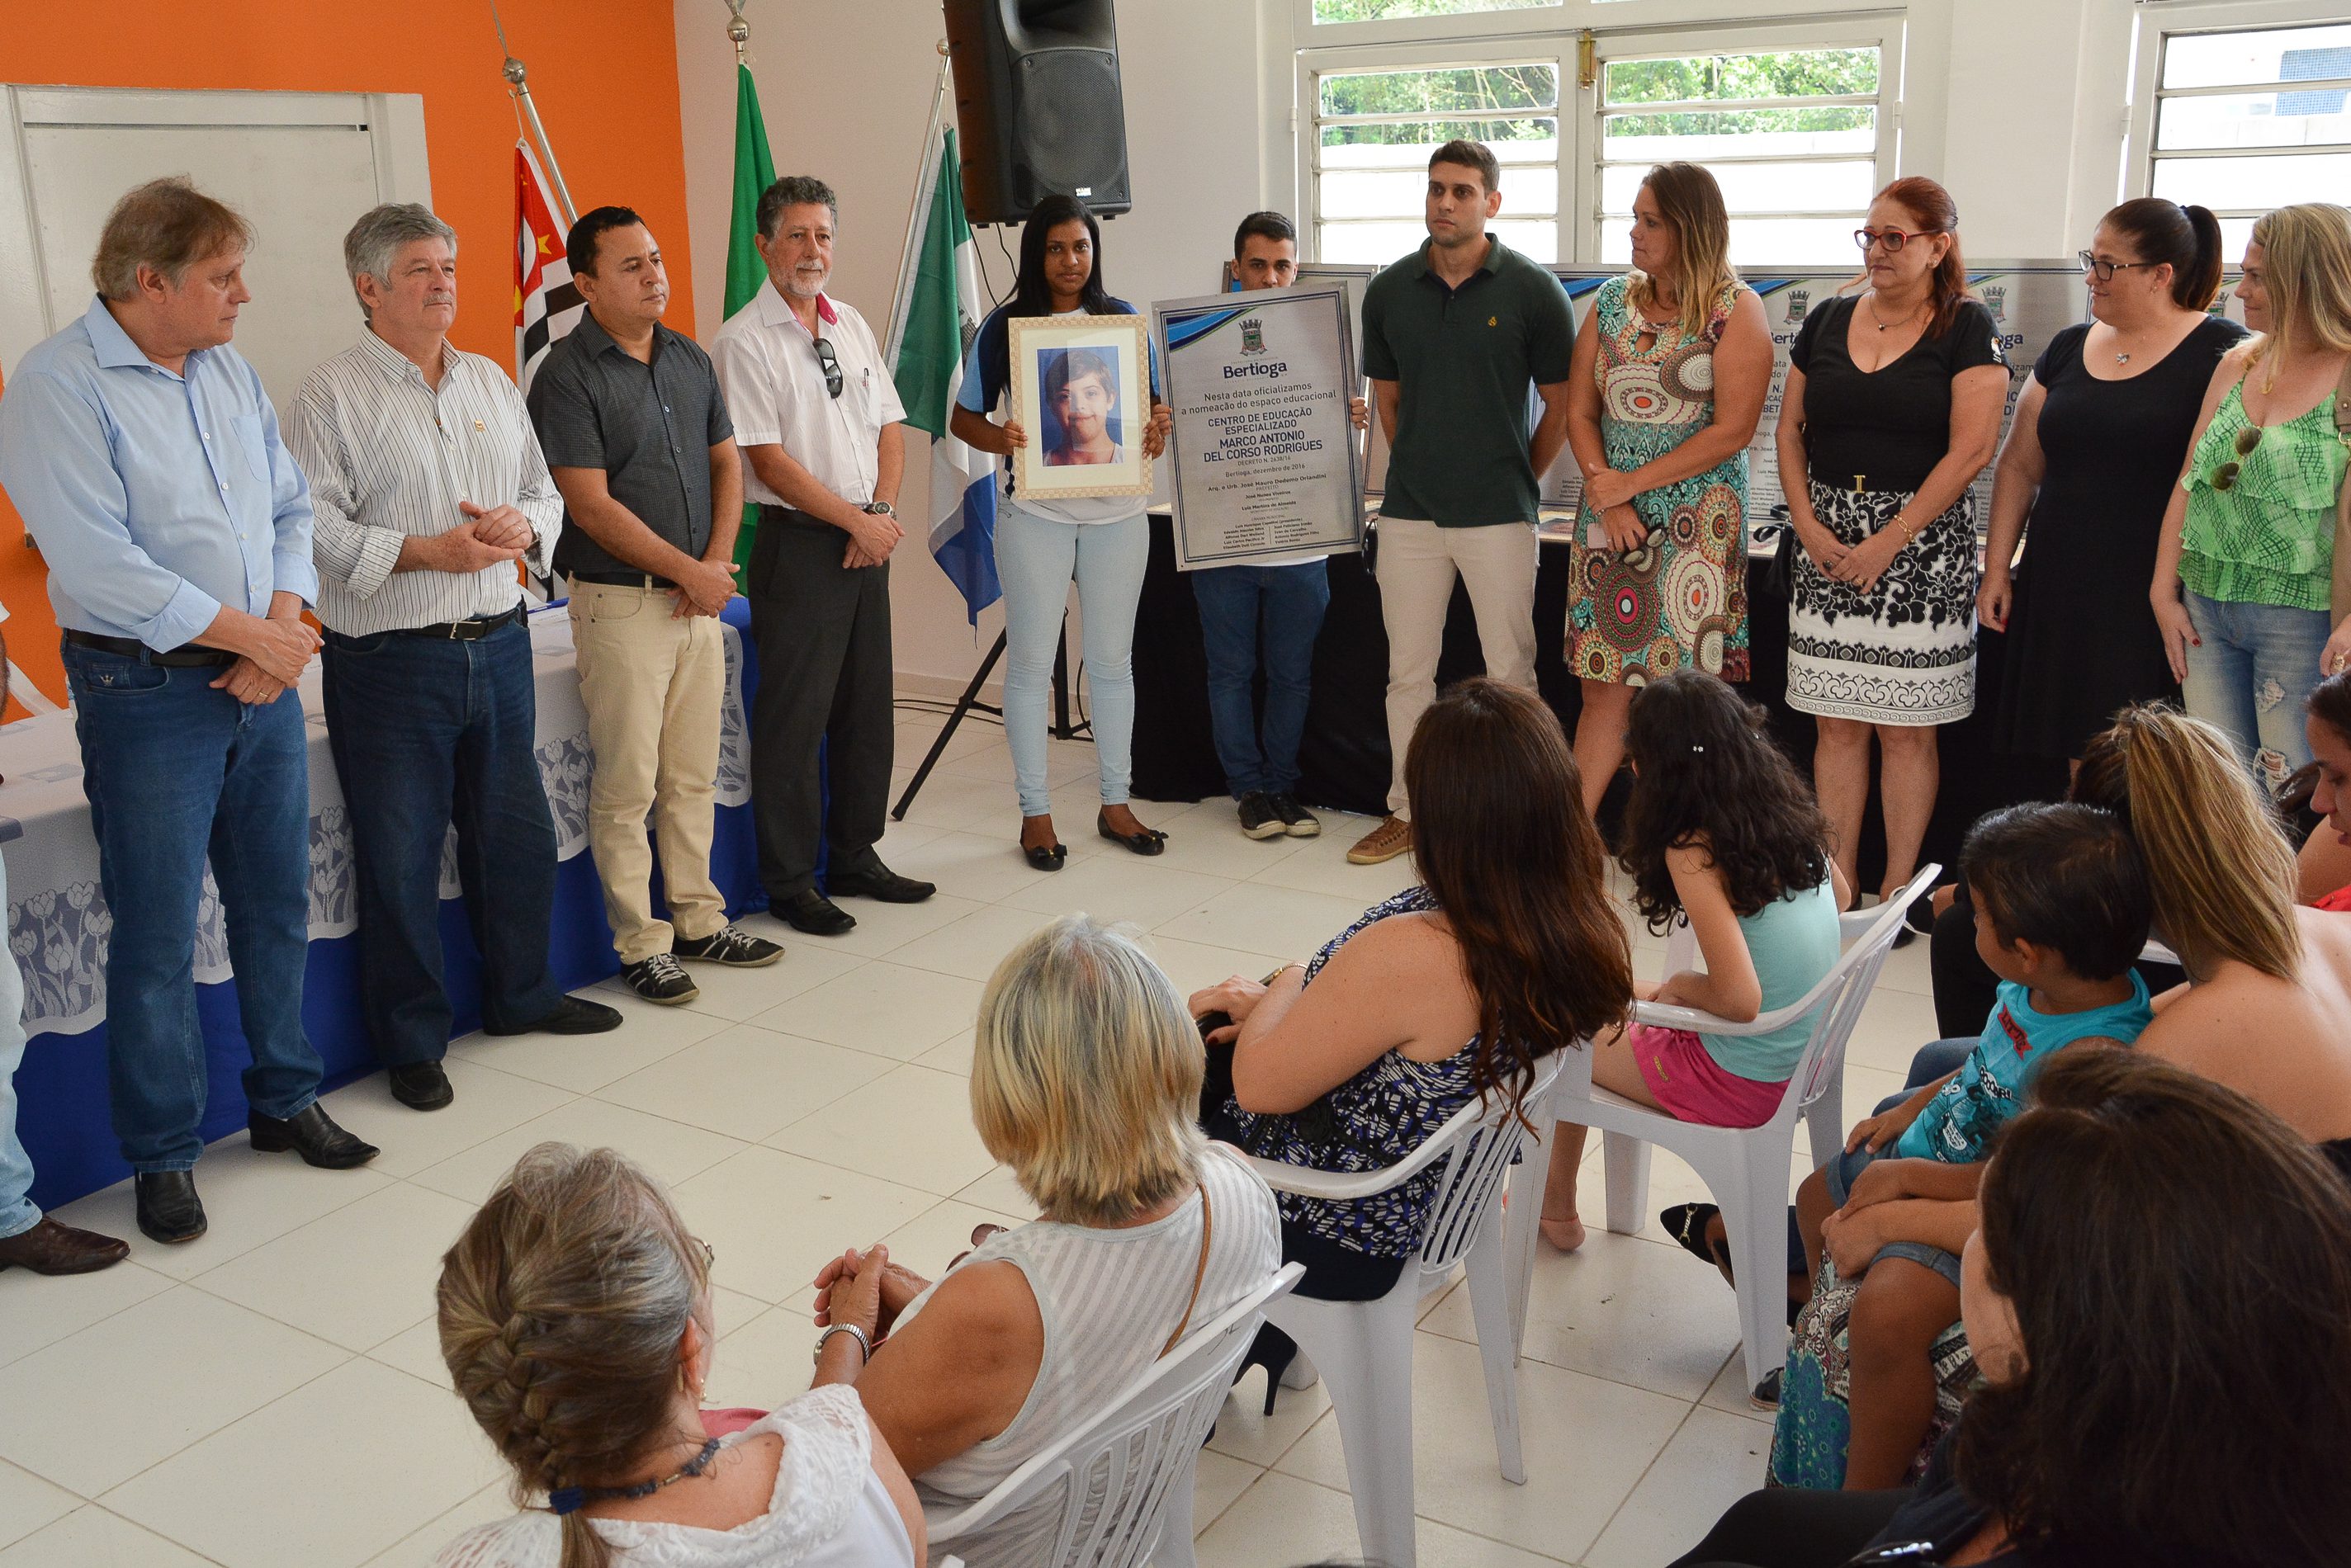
1720	829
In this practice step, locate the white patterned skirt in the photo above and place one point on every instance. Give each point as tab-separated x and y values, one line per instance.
1904	653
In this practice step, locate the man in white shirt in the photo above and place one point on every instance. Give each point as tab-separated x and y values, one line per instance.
817	419
428	486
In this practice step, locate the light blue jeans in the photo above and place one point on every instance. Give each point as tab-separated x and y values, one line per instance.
1036	558
2248	673
17	1213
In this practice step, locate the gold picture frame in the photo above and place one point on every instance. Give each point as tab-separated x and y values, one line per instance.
1082	389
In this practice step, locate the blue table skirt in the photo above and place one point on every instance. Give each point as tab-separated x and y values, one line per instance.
61	1093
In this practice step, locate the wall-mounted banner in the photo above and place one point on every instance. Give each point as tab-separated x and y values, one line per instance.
1264	454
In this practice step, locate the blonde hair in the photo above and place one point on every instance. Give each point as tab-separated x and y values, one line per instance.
2307	249
1691	204
1086	1075
561	1310
2217	861
167	224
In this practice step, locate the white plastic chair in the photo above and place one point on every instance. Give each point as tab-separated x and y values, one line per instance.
1363	1349
1746	1168
1126	1474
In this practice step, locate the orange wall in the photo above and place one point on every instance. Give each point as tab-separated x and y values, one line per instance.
602	72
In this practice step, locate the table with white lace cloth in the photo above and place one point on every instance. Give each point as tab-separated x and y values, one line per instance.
58	920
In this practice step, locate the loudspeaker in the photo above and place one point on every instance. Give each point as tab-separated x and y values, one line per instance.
1038	104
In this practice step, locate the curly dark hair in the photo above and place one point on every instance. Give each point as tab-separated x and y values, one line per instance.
1500	838
2178	1262
1705	772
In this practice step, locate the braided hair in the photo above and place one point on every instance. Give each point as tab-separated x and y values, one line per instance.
561	1308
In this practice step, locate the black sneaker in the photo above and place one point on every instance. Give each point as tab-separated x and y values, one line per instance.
1257	817
729	945
659	979
1296	820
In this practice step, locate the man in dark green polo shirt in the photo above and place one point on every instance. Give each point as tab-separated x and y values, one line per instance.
1454	335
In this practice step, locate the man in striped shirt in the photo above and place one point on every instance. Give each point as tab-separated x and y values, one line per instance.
428	486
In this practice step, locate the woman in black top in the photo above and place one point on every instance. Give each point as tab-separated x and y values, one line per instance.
2100	432
1892	408
2159	1298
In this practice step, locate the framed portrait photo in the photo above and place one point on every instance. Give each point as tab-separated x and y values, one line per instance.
1081	389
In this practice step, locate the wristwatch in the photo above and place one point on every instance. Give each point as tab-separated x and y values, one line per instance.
865	1345
879	509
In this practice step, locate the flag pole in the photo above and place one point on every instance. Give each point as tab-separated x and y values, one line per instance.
915	209
519	77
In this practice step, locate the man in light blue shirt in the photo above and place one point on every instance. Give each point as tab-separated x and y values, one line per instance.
145	458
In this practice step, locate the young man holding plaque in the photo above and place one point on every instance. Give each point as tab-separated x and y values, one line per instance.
1454	334
1289	593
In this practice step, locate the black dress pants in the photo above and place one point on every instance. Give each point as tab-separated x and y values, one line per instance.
822	632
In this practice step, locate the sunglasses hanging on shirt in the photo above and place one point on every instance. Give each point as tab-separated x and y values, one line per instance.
832	363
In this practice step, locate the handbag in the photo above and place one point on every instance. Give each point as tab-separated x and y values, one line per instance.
2339	600
1777	576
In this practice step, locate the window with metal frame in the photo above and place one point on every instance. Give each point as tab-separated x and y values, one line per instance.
1329	11
2247	119
1374	131
1791	135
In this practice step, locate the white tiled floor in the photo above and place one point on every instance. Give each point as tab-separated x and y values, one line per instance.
272	1395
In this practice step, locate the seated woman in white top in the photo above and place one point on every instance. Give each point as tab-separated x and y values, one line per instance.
576	1321
1085	1080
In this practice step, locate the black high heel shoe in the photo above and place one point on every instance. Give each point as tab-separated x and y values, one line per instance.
1274	1351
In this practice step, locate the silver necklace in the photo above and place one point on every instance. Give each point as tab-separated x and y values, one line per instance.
1870	299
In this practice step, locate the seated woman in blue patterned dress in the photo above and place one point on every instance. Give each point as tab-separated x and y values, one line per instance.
1508	950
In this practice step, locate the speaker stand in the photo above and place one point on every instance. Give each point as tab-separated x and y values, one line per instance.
1062	730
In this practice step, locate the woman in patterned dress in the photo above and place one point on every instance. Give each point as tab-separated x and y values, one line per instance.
1447	992
1669	379
1891	409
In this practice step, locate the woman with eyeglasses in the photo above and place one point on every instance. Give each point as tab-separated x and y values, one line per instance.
2101	427
1892	407
2243	582
1103	541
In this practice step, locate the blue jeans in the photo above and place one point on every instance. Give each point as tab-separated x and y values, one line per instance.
17	1213
1933	1060
1291	600
175	769
1036	558
424	731
2248	674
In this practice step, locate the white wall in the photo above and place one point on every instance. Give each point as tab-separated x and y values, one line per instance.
2016	104
845	87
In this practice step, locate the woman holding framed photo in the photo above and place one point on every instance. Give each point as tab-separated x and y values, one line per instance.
1043	539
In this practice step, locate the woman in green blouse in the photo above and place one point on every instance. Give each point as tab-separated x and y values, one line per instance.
2242	580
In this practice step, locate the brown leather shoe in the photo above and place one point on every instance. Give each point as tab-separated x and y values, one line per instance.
1391	838
49	1247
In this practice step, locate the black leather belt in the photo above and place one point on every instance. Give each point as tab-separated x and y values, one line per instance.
473	630
188	656
622	579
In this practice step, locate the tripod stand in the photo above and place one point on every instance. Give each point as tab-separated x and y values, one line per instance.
1062	730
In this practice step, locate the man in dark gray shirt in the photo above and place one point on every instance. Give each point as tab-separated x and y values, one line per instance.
636	434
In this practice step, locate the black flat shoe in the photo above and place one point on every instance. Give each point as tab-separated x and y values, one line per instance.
880	884
312	1134
1046	856
1150	841
810	911
1685	1223
573	1015
420	1085
169	1209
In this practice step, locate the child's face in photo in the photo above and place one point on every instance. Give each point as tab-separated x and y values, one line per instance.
1081	405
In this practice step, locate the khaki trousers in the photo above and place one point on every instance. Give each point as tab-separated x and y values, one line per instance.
653	684
1417	563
